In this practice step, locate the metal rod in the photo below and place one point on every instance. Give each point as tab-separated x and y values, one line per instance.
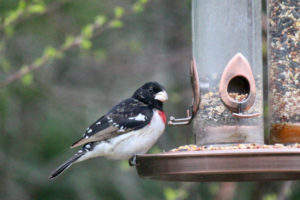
193	109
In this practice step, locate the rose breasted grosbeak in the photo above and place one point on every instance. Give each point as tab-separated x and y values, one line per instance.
129	128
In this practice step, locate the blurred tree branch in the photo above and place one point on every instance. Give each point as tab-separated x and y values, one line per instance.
88	32
25	11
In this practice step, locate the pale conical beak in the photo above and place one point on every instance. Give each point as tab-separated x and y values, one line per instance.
161	96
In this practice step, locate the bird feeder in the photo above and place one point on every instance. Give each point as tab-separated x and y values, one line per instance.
284	70
227	114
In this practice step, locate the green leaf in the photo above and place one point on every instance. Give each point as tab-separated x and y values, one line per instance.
68	41
87	31
37	1
86	44
36	8
27	79
22	5
12	16
137	7
173	194
50	52
100	20
38	61
116	24
270	197
143	1
119	11
169	193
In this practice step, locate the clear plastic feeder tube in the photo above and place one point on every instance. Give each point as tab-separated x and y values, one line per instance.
221	29
284	70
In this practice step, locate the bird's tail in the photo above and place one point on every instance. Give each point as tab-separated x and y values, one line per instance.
65	165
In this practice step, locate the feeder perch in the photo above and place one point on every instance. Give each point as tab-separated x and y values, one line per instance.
193	109
238	80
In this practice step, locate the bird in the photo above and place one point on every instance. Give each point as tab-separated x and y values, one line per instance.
130	128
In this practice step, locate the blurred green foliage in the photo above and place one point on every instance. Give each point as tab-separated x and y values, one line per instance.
87	56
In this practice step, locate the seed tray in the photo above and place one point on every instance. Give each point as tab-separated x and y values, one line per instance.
239	162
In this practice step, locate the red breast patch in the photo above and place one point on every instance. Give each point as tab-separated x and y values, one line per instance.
162	116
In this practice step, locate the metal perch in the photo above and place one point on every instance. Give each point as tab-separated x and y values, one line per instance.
193	109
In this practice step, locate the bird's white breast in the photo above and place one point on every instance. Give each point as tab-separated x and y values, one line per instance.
139	141
126	145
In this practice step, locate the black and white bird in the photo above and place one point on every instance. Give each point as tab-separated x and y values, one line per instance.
131	127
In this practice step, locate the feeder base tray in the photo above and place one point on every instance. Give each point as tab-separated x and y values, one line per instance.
222	165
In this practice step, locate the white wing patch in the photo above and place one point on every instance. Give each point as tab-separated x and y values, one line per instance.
139	117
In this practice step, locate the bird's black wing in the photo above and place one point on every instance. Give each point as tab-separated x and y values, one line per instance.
128	115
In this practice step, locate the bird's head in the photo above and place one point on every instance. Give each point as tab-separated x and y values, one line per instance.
152	94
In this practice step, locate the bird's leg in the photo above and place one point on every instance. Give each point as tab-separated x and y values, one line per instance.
132	160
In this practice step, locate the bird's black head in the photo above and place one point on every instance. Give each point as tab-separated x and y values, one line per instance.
152	94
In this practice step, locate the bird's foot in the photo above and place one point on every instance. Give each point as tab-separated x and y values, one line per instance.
132	160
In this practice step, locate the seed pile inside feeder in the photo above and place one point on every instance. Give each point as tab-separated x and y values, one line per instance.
213	112
284	73
215	123
238	97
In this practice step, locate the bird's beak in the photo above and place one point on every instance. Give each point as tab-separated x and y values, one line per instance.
161	96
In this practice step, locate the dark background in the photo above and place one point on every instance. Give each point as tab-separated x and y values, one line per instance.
46	110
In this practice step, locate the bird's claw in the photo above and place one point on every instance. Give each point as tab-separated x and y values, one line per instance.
132	160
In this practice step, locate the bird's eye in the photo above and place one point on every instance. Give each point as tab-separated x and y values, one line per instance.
151	90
